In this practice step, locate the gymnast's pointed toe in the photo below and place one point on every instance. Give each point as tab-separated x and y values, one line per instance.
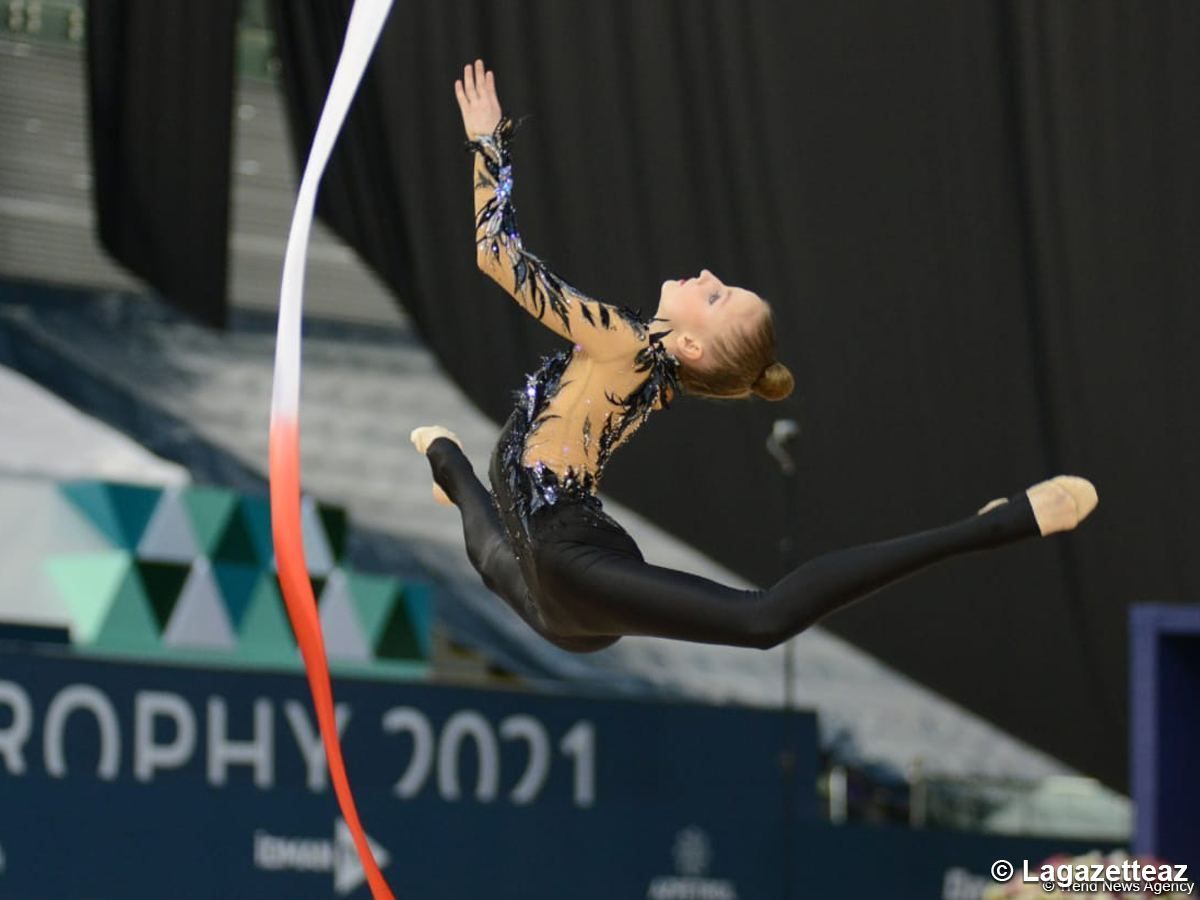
425	435
1061	503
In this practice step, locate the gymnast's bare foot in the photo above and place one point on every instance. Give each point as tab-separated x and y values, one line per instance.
422	437
1062	503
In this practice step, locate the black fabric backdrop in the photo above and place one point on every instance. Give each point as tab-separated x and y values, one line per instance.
977	222
160	92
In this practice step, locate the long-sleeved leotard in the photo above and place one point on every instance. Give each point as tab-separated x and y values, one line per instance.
541	539
592	398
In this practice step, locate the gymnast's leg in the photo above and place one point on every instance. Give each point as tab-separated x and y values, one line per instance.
609	593
487	543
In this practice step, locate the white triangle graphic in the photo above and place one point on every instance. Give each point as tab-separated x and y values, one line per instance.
316	546
344	638
200	619
347	869
169	536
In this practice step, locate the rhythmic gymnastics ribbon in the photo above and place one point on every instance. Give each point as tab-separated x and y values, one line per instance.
366	21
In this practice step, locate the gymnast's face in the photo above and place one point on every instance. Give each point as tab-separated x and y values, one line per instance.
702	308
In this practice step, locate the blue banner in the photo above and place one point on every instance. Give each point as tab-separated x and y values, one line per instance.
128	780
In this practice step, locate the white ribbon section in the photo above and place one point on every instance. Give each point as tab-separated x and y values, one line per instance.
366	22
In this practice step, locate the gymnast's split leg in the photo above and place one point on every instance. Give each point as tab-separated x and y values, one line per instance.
613	594
486	542
608	594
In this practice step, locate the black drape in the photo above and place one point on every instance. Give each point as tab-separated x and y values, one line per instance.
977	222
160	90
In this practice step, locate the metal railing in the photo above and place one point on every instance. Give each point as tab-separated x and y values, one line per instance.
1058	806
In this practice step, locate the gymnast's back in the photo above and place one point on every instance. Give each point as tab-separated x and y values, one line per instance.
583	401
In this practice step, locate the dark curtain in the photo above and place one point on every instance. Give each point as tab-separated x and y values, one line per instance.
160	91
977	222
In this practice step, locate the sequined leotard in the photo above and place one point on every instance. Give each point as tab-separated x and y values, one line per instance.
582	403
541	540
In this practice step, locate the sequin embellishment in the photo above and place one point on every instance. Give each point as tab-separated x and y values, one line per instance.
537	486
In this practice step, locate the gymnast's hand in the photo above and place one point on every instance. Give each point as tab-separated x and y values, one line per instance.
422	437
477	100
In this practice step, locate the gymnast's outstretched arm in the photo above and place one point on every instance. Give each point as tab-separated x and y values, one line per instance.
600	329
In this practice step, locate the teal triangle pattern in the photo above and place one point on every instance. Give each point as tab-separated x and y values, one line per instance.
133	505
317	554
399	639
209	509
88	584
235	543
340	623
90	498
194	567
130	624
266	634
236	582
256	512
162	581
373	597
333	521
120	511
418	601
169	536
200	619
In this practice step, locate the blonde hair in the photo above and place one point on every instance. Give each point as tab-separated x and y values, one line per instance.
743	364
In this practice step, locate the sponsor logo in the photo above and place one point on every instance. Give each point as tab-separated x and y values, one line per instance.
277	853
692	854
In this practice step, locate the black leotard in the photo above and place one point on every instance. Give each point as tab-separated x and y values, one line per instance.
541	539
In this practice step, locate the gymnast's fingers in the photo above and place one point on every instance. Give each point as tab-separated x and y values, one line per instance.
469	83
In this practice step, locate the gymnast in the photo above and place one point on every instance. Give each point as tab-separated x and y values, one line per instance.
541	540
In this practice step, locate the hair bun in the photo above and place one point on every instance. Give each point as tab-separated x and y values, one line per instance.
774	383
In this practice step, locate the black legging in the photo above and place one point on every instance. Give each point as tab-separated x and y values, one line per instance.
590	589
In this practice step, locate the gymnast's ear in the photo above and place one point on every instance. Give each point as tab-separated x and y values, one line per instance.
687	348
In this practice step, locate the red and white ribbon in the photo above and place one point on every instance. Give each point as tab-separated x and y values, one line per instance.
366	22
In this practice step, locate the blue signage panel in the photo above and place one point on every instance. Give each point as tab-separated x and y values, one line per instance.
1164	684
128	780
